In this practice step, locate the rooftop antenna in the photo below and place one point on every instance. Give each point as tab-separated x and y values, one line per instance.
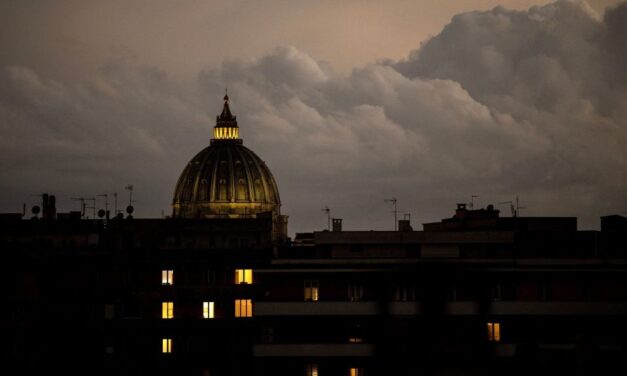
393	200
92	207
115	201
472	201
515	209
328	211
512	208
518	207
106	202
82	200
129	188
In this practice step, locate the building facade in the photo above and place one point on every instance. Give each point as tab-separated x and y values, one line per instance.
221	297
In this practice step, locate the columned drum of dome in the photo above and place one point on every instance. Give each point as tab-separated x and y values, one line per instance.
226	179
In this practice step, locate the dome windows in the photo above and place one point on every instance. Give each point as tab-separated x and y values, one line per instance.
225	133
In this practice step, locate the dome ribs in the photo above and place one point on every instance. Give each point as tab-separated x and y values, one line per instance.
225	179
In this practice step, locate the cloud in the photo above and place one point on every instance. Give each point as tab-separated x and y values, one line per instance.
90	138
499	103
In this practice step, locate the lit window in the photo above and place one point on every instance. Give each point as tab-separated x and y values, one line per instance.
355	340
355	292
243	308
311	291
243	276
494	331
166	345
225	133
167	310
207	310
167	277
312	370
356	372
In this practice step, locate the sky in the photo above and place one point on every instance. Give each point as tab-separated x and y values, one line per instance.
349	103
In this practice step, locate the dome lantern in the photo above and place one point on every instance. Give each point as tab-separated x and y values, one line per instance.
226	125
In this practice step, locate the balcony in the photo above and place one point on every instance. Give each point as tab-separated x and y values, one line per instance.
371	308
314	350
316	308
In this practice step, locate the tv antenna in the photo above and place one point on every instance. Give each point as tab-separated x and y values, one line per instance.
106	202
328	211
115	203
82	201
129	188
92	207
393	200
515	209
512	208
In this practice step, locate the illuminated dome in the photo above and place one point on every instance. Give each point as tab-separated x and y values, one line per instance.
226	179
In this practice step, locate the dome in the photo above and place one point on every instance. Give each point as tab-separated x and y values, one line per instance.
226	179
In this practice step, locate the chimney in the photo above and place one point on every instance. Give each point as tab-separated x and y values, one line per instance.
44	206
461	212
404	225
337	224
52	207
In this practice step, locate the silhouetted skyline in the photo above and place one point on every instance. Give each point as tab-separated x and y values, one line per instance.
347	104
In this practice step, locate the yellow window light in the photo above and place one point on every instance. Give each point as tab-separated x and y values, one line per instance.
167	310
243	308
244	276
207	310
167	277
494	332
166	345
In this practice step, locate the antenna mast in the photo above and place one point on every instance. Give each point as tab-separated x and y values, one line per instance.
129	188
393	200
92	207
512	208
115	200
328	211
106	202
518	207
82	201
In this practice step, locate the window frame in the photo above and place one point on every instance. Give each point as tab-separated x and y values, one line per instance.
166	345
208	310
311	290
167	277
243	276
167	310
243	308
494	331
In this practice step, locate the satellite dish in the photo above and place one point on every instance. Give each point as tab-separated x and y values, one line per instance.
101	213
129	209
36	209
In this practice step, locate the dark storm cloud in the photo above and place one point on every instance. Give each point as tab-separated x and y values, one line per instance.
499	103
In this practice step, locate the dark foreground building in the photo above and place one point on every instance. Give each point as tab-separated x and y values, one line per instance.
219	289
